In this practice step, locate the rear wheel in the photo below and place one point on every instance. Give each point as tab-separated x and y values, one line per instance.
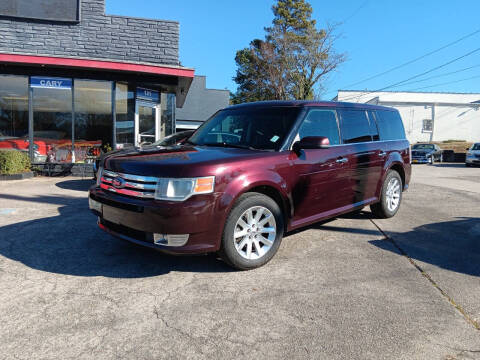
390	197
253	232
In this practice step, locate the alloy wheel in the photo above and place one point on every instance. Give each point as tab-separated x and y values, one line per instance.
255	233
393	194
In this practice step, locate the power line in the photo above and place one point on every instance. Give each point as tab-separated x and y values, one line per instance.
416	59
440	75
416	76
355	12
446	83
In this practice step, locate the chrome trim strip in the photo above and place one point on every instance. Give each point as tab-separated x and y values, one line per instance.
128	192
138	178
141	186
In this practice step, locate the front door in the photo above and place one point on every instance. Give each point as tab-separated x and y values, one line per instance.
146	123
323	173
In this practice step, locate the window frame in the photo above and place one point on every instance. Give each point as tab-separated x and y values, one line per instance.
365	111
296	131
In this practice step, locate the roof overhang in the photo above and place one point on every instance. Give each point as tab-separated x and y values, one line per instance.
184	75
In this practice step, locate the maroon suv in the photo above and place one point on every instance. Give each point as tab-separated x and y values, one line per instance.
251	173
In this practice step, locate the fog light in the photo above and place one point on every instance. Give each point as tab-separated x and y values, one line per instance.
170	239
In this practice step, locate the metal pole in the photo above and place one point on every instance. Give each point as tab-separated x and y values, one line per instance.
73	120
114	114
30	122
433	122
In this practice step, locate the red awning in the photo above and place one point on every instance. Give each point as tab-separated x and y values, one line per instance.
96	65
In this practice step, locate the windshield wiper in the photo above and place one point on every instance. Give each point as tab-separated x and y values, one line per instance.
227	145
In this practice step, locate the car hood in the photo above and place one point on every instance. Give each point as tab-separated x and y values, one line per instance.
176	161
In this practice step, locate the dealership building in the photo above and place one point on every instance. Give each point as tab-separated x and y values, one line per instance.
75	81
427	116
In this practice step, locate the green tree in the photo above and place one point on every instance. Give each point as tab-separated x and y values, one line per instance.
292	60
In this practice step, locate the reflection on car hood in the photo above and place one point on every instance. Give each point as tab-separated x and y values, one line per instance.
175	161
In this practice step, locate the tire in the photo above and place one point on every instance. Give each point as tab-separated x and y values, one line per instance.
384	208
467	165
245	251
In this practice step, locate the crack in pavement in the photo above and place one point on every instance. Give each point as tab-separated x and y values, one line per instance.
460	309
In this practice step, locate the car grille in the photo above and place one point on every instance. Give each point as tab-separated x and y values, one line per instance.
418	154
129	185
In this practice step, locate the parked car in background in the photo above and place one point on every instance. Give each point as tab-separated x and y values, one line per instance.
426	154
473	155
251	173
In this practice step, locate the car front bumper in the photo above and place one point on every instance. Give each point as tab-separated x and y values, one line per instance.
146	222
420	160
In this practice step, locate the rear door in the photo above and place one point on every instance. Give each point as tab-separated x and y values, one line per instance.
323	173
363	155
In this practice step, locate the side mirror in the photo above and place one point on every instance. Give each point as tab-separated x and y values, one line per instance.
311	142
468	149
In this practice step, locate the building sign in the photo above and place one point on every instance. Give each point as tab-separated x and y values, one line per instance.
52	10
50	83
149	95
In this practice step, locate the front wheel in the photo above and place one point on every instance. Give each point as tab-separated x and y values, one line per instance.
253	232
390	197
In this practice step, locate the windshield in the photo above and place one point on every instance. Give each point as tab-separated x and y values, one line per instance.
255	128
423	147
476	146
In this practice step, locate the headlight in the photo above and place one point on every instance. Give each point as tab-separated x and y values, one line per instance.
469	153
99	175
182	189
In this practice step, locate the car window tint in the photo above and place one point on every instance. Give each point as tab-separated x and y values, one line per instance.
373	126
320	123
354	126
390	125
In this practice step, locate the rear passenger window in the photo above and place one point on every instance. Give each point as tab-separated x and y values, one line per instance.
373	126
355	126
390	125
320	123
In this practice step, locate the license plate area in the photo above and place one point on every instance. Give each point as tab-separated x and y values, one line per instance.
113	215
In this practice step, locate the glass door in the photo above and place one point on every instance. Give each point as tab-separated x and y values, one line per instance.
146	123
52	119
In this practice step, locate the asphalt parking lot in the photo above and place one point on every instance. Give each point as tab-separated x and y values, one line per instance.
351	288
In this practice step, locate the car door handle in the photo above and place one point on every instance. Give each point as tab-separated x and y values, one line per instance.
342	160
382	153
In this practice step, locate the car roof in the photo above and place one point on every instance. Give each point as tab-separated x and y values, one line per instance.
308	103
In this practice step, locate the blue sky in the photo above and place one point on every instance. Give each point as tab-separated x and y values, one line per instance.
376	35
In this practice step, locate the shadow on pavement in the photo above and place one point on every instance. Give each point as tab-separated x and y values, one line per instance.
70	243
449	165
451	245
78	185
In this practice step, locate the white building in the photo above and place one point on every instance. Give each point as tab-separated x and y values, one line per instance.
427	116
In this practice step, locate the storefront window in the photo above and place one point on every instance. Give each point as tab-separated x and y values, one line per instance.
14	112
93	119
52	120
125	111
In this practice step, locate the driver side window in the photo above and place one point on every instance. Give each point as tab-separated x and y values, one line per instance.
320	122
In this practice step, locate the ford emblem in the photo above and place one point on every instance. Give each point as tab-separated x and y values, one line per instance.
119	183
